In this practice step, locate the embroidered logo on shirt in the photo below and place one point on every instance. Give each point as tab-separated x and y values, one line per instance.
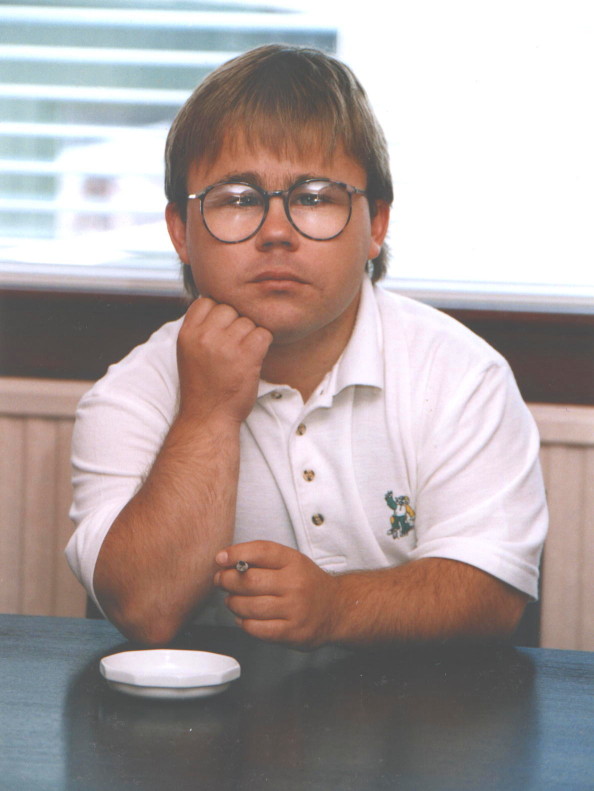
403	516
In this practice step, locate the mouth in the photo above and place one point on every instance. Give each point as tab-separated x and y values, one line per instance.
278	276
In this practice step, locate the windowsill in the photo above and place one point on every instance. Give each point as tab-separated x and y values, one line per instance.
519	298
162	278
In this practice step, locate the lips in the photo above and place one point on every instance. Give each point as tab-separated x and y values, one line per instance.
277	275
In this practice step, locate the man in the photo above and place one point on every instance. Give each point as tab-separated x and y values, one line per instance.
368	460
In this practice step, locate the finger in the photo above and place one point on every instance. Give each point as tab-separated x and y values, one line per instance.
261	554
222	316
199	310
240	328
222	558
272	630
257	341
255	582
255	607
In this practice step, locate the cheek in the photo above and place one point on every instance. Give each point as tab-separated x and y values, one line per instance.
205	280
214	276
204	260
360	240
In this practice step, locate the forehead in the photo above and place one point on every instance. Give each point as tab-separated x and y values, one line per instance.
275	169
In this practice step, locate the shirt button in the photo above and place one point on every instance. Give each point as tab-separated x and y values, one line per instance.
276	394
301	429
317	519
309	475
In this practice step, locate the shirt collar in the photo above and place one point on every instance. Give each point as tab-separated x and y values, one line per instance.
361	361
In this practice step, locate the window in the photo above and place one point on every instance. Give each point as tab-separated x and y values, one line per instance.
487	108
489	111
89	92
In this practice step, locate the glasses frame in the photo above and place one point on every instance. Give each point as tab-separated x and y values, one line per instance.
285	195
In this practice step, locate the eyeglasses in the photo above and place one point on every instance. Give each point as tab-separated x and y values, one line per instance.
234	211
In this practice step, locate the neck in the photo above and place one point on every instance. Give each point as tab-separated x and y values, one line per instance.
302	364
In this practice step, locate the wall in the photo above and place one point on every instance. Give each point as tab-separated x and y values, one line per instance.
567	440
36	419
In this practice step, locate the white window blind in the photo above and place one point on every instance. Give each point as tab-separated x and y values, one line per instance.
88	92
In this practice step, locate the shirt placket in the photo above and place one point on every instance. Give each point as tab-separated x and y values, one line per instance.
316	461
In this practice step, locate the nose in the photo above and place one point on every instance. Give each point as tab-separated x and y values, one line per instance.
276	230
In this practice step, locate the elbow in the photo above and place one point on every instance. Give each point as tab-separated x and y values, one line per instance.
140	624
514	615
505	617
149	634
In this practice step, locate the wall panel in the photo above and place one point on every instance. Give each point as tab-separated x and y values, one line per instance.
567	598
36	419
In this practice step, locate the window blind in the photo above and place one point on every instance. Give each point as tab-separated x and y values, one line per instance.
88	92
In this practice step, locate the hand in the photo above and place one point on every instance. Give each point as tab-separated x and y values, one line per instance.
283	596
219	356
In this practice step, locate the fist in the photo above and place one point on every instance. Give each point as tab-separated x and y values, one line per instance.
219	358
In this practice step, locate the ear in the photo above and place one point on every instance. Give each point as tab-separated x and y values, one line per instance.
177	232
379	228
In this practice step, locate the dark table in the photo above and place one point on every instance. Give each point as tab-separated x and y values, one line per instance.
439	718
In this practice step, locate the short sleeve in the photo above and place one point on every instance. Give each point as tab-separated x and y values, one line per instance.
480	493
120	426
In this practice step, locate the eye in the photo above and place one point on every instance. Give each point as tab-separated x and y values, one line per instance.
245	199
233	196
308	198
318	195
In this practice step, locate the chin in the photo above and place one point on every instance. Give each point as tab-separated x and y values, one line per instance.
285	335
285	325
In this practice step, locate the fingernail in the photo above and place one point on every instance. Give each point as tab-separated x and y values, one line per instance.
222	558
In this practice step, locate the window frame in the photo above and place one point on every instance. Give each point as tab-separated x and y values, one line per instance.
74	334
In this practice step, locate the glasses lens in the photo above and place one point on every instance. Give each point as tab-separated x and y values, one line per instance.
232	212
320	209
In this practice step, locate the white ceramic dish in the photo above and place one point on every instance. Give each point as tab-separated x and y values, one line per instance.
168	673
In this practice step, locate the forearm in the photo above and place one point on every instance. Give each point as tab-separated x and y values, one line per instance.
286	597
156	563
425	600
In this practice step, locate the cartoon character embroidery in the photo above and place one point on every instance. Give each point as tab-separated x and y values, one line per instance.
403	518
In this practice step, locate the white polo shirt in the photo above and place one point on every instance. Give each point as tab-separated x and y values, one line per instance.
416	444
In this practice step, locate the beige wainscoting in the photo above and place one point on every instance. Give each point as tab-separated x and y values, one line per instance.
36	419
567	597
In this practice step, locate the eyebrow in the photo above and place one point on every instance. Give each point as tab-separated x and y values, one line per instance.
256	179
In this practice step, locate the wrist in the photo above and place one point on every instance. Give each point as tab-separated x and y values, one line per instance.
342	607
214	435
359	602
217	421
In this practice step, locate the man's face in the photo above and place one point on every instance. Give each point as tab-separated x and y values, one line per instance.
293	286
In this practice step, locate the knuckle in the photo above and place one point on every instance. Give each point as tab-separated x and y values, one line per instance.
264	334
245	324
224	312
198	310
260	338
229	580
